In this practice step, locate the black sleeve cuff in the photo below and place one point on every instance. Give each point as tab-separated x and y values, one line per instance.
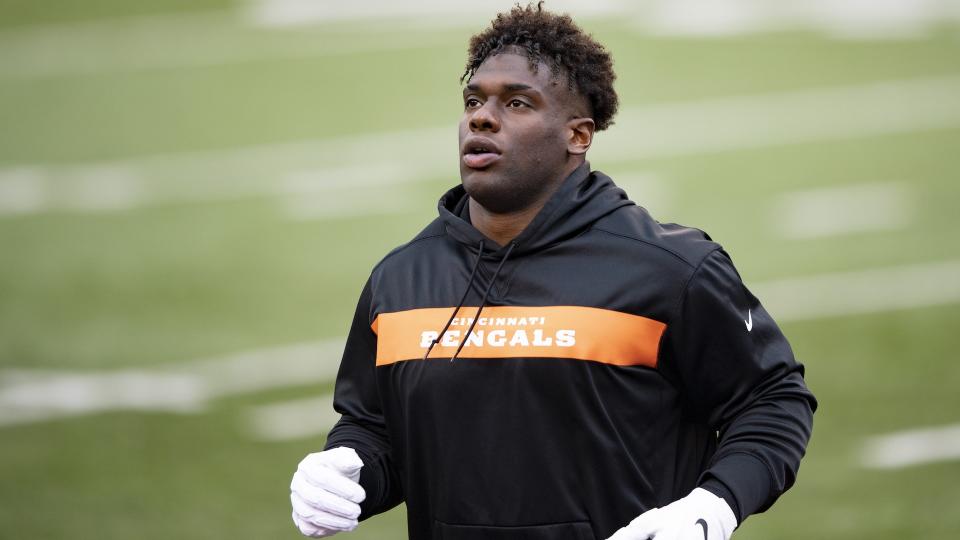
372	482
720	490
742	480
379	480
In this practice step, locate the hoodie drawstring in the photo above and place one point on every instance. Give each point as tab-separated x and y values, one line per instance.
466	291
483	301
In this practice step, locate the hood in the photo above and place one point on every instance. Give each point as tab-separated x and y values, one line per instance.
583	198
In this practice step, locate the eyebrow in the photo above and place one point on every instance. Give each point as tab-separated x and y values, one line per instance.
510	87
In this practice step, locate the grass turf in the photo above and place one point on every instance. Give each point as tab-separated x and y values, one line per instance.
177	281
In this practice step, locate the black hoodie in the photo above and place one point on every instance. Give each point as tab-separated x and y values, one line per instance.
617	363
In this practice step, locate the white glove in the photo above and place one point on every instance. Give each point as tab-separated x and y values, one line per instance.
325	493
701	515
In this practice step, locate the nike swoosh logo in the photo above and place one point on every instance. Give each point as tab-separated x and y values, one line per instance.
749	321
704	523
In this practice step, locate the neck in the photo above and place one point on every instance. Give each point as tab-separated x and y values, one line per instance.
502	228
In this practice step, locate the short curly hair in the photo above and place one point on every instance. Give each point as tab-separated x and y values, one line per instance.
558	42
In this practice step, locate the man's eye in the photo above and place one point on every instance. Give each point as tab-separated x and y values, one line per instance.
516	103
471	102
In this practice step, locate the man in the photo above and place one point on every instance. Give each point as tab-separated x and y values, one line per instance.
545	360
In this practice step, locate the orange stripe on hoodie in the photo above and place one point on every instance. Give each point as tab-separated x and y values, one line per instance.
575	332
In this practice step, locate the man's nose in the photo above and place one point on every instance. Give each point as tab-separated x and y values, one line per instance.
483	119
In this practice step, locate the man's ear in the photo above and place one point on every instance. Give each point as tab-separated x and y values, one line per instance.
581	135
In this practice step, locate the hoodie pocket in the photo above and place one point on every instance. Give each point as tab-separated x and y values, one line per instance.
574	530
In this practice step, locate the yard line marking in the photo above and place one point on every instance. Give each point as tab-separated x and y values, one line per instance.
796	117
441	13
659	17
654	131
22	191
187	20
209	39
35	395
50	394
264	369
225	37
348	204
846	209
359	191
912	447
294	419
646	188
849	19
861	292
162	58
28	396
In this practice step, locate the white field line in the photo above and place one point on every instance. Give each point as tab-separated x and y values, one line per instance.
861	292
827	295
263	369
763	120
370	164
848	18
159	42
45	395
186	21
647	189
845	209
913	447
844	18
370	190
670	17
294	419
349	204
213	38
445	13
36	395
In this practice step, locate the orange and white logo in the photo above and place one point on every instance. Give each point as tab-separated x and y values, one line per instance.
576	332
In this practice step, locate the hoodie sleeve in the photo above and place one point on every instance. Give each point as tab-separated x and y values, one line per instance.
739	376
361	425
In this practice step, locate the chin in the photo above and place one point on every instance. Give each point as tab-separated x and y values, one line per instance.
478	181
495	193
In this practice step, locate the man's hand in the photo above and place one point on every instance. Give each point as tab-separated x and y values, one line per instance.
701	515
325	493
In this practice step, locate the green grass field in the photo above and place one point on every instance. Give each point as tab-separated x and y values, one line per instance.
166	195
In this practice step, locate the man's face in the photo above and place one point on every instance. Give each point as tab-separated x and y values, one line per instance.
513	137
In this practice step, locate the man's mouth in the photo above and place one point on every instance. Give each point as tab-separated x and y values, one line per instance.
480	153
